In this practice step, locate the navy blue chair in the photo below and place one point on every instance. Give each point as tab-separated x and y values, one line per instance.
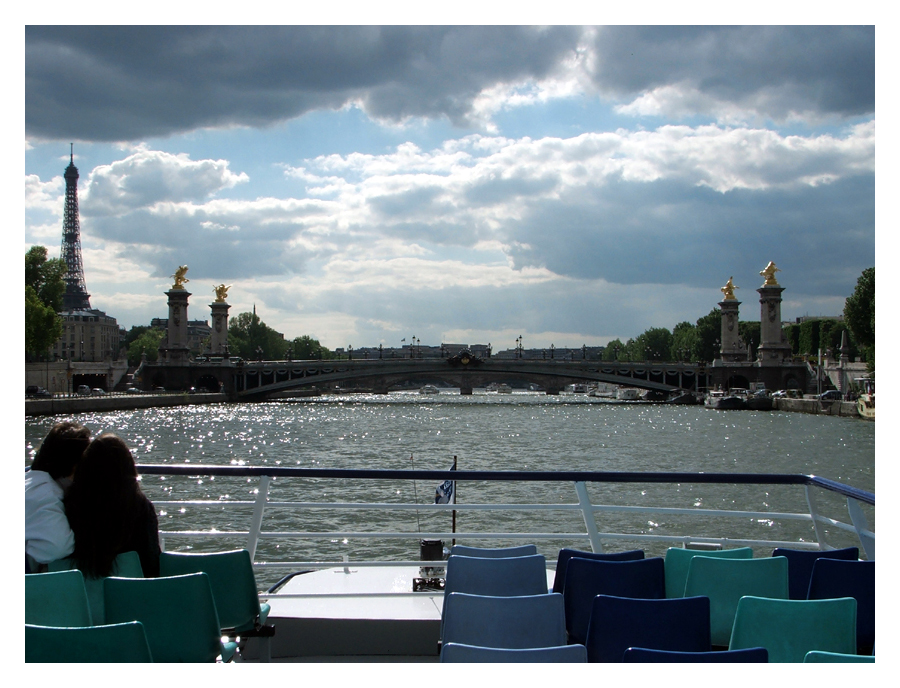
836	578
562	561
800	566
617	623
643	655
587	578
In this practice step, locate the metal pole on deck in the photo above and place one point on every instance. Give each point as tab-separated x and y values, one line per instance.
454	501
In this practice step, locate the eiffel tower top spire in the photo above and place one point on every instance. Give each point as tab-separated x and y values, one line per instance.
75	297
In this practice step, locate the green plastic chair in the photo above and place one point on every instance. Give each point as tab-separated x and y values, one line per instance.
819	657
126	565
125	642
678	560
178	613
726	581
56	599
789	629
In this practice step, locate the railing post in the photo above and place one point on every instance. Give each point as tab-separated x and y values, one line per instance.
814	512
587	513
258	508
861	523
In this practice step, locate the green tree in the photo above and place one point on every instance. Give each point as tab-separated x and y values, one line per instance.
654	344
146	342
709	329
859	314
306	348
249	337
614	350
44	289
750	335
684	341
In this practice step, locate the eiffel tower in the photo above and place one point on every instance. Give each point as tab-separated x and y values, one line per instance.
75	297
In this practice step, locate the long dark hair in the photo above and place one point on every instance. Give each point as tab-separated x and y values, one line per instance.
104	504
61	449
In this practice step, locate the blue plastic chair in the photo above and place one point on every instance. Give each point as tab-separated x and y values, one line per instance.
678	561
789	629
562	562
496	553
505	576
617	623
644	655
587	578
835	578
125	642
726	581
470	654
56	599
125	565
800	565
504	622
819	657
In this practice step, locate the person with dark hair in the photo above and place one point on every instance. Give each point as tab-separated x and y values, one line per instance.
108	512
48	536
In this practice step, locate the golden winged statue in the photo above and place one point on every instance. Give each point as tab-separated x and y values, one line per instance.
769	274
179	277
728	290
221	292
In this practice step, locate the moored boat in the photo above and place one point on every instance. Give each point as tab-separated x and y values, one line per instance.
865	403
725	401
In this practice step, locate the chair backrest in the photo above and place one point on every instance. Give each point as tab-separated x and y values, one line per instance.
644	655
819	657
56	599
505	622
125	642
725	581
856	579
678	560
587	578
470	654
562	562
505	576
617	623
789	629
498	552
125	565
231	579
800	565
178	614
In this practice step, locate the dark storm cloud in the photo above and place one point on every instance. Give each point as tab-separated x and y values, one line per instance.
125	83
825	69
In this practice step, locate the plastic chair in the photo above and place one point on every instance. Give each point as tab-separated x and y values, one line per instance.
800	565
125	565
835	578
819	657
234	590
644	655
56	599
789	629
725	581
125	642
562	562
587	578
617	623
497	553
178	613
502	577
678	560
460	653
504	622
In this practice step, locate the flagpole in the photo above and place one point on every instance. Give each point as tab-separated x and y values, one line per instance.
416	495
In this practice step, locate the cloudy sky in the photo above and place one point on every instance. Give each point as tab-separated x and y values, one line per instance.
466	184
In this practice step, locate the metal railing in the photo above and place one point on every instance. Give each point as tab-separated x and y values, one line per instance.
812	488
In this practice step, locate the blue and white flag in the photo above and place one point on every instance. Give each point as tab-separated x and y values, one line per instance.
443	493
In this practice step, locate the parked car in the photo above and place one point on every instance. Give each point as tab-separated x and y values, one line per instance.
97	392
83	390
830	395
133	390
39	392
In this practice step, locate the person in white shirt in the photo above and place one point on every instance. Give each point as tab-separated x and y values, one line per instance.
48	536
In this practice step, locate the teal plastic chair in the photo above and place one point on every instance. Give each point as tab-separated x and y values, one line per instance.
472	654
789	629
726	581
178	614
126	565
56	599
125	642
678	560
819	657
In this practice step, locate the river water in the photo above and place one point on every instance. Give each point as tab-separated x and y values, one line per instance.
520	431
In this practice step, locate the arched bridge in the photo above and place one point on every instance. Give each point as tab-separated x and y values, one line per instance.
249	380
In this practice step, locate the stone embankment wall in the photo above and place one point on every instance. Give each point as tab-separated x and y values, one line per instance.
50	407
826	408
